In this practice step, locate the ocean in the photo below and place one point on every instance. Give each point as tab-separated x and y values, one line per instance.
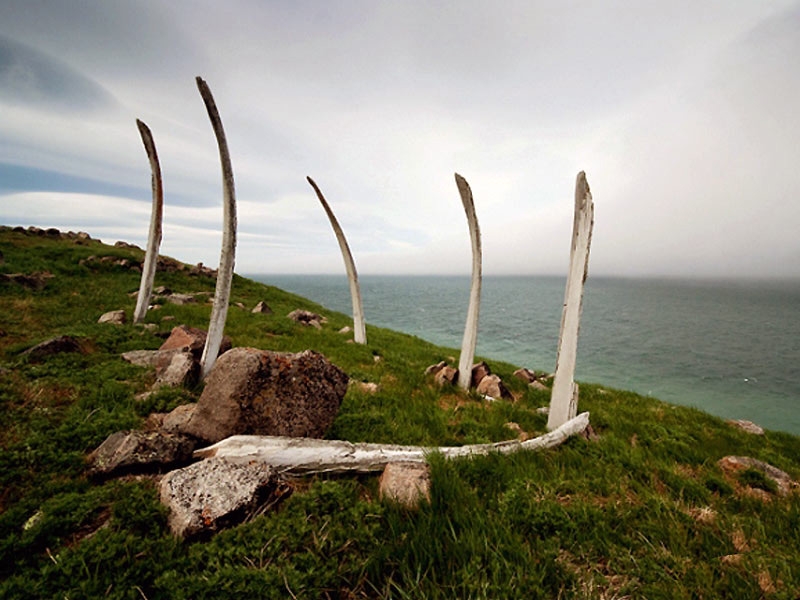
731	348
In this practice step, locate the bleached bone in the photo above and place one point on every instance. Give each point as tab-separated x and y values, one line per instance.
470	339
154	235
359	328
309	455
222	295
564	397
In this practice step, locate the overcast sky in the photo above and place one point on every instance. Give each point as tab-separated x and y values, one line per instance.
684	114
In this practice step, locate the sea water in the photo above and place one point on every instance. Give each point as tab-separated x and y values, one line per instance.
731	348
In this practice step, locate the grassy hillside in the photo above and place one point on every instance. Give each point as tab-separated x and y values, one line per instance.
643	511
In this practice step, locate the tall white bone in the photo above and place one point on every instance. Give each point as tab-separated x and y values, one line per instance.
470	340
359	328
222	295
154	235
564	397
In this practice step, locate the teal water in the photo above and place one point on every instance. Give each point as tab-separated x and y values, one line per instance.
731	348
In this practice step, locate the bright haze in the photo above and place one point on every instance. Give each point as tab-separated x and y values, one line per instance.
684	114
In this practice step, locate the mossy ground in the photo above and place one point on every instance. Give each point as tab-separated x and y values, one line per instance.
643	511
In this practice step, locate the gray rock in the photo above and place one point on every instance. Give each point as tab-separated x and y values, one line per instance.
141	358
538	385
115	317
406	483
251	391
213	494
56	345
137	451
182	370
175	421
181	299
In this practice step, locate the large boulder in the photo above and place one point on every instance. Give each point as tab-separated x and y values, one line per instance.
138	451
251	391
215	493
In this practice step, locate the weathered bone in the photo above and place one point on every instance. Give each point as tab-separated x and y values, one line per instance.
154	235
359	328
308	455
227	258
564	398
470	340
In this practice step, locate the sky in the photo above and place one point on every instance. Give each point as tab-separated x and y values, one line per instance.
683	114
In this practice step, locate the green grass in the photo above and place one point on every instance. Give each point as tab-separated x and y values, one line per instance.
643	511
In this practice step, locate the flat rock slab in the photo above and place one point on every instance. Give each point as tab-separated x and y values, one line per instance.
115	317
213	494
139	451
258	392
747	426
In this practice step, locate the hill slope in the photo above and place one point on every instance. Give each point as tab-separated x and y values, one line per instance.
643	511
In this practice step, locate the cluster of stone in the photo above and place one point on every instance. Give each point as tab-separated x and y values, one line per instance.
483	381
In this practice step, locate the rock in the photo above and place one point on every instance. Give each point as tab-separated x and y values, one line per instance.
215	493
434	369
181	299
526	375
735	464
175	421
154	421
34	281
56	345
141	358
182	369
162	290
192	340
543	410
518	431
52	232
538	385
406	483
137	451
345	330
251	391
445	375
262	308
367	387
479	371
305	317
747	426
492	386
115	317
121	244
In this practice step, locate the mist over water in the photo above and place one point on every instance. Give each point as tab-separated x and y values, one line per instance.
731	348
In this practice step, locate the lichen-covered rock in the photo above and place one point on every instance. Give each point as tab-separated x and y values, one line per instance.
747	426
137	451
181	370
406	483
175	421
141	358
251	391
215	493
434	369
305	317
